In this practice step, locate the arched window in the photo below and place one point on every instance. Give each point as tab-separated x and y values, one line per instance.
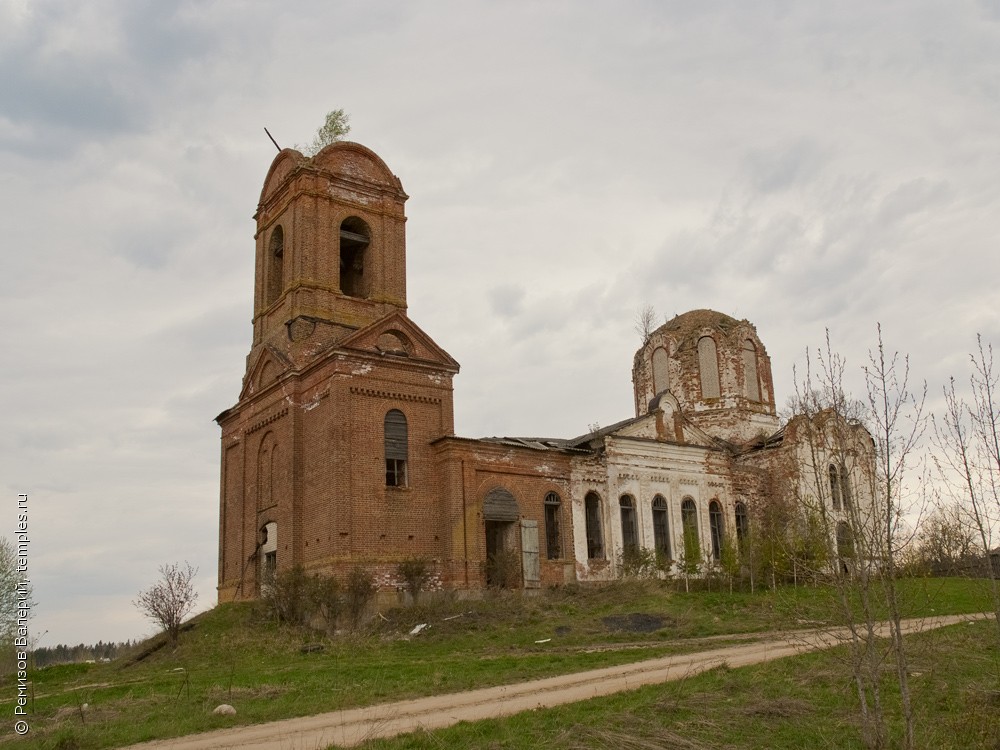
708	366
661	377
595	537
751	384
354	240
715	525
630	536
845	541
835	487
689	526
553	534
275	271
845	487
661	527
396	448
742	522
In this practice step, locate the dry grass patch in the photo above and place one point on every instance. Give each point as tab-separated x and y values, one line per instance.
781	707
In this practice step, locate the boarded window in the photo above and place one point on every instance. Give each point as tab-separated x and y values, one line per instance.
661	381
742	523
500	505
751	380
396	448
553	534
708	366
715	525
595	536
689	526
274	272
630	534
661	527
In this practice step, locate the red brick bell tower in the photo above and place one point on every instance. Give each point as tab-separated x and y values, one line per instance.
326	456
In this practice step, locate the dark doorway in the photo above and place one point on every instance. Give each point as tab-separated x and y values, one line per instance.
503	564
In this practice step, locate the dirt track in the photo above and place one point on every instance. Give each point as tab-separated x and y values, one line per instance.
350	727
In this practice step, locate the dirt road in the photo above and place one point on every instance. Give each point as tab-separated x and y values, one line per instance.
351	727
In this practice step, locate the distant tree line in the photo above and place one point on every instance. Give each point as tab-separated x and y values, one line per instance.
63	654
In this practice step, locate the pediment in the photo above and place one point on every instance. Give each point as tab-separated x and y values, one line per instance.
397	336
267	366
665	422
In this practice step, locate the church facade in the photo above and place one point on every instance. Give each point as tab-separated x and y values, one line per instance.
340	450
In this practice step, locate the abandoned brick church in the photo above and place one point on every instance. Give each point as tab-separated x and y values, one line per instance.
341	448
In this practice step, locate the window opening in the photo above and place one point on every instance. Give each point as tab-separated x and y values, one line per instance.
689	526
835	487
715	525
742	522
845	541
354	241
268	555
630	536
553	538
661	527
595	537
708	366
845	488
396	448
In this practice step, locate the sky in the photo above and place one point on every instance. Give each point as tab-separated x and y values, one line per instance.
808	166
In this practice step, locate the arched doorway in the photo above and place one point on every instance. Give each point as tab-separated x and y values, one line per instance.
503	560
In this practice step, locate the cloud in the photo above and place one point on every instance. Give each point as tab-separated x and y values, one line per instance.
803	166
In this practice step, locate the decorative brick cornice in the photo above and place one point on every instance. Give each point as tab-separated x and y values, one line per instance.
261	423
393	395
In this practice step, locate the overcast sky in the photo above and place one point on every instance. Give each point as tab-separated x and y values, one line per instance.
803	165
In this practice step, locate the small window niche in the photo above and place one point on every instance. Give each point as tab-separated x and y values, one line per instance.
661	376
355	237
751	381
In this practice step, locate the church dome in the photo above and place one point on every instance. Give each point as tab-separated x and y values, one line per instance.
708	361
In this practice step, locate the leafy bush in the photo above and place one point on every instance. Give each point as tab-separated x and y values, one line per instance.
503	569
360	591
638	562
323	594
293	597
285	596
415	573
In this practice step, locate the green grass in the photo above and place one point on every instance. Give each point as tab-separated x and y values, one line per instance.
231	656
802	702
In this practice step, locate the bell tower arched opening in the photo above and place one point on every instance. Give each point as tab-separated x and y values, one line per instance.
275	276
355	238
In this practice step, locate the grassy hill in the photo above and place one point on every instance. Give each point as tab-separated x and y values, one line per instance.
232	655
